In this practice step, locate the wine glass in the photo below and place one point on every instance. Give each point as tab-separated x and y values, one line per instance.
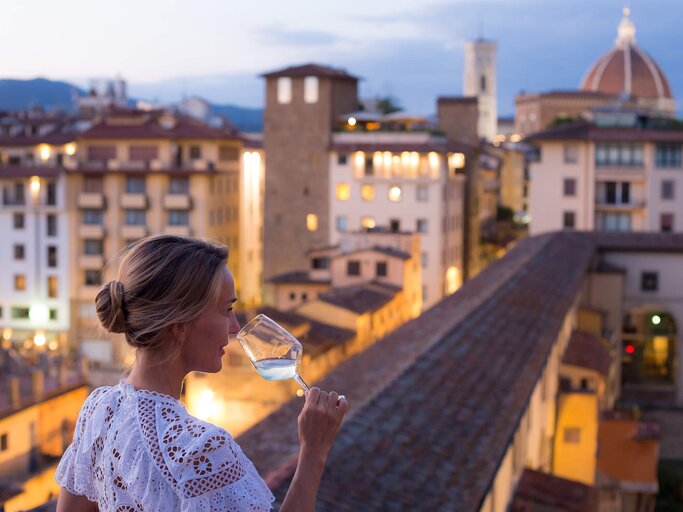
273	351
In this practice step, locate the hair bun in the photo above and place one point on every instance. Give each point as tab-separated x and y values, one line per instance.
109	305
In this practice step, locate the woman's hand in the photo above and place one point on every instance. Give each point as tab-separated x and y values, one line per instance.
320	420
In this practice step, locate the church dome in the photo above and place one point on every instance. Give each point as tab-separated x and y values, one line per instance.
628	70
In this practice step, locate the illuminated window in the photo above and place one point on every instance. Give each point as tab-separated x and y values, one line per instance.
367	192
312	222
367	223
52	287
284	89
343	191
311	89
20	282
395	193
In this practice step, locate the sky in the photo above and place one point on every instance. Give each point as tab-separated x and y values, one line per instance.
407	49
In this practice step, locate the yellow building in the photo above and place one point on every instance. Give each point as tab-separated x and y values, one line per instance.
35	429
141	173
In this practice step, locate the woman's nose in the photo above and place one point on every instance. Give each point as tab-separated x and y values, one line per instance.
234	324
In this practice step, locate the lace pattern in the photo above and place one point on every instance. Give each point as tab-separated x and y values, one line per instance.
136	450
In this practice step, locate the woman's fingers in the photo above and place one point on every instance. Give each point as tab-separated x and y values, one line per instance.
313	396
332	401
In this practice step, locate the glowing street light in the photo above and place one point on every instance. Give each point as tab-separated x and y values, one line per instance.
39	339
38	313
352	121
656	319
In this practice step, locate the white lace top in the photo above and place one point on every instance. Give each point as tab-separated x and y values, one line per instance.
136	451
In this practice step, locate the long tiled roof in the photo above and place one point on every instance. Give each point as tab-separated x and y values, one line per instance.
183	128
435	403
584	130
360	298
541	491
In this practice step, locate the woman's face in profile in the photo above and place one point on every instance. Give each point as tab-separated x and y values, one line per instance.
207	335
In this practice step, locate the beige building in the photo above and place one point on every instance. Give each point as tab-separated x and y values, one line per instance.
141	173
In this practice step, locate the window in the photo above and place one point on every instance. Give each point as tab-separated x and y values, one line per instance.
369	166
395	193
3	442
51	225
422	192
93	247
178	218
311	89
292	296
615	221
179	185
53	314
18	220
649	281
312	222
20	313
319	263
571	153
668	155
52	256
19	193
482	83
304	296
228	153
52	287
19	252
143	153
343	191
99	153
367	192
92	278
569	220
342	158
342	224
624	154
92	217
367	223
135	218
381	269
92	184
668	187
135	185
195	152
666	222
20	282
421	226
424	259
395	225
625	193
570	187
284	90
353	268
572	435
51	193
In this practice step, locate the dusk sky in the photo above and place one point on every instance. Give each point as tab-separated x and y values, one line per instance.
411	50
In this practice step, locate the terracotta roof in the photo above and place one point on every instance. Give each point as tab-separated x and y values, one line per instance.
359	299
477	355
388	251
150	128
439	146
541	492
587	351
282	317
311	70
53	139
301	276
584	130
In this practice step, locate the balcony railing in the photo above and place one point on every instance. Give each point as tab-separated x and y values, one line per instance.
602	204
91	231
135	201
177	202
95	200
134	232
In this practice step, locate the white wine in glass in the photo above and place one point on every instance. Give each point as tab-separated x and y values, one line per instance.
273	351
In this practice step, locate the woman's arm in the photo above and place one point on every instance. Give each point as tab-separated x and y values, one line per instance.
319	423
68	502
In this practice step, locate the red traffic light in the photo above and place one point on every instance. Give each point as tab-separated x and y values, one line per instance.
630	349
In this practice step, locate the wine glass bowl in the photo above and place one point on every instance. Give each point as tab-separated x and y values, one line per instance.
273	351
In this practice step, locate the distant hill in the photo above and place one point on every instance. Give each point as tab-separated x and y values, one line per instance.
53	95
49	94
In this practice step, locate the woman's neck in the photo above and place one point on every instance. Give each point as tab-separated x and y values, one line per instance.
147	373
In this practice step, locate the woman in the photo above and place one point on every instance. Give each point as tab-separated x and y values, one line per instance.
135	446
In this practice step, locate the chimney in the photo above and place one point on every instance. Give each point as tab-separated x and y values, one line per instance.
458	118
38	384
15	392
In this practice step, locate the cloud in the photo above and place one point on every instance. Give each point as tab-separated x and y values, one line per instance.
278	36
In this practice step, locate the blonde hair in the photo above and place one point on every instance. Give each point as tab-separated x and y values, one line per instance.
163	280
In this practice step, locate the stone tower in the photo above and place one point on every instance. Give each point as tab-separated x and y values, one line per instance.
303	105
480	81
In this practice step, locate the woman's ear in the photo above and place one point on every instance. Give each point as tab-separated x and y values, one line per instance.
179	331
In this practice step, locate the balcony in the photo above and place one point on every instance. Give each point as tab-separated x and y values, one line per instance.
620	172
91	231
133	232
177	202
135	201
91	261
92	200
604	206
178	230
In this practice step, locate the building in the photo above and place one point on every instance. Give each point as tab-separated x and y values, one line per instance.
480	82
618	171
489	357
35	150
303	104
625	75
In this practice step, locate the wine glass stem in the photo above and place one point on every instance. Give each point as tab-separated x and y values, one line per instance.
301	382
